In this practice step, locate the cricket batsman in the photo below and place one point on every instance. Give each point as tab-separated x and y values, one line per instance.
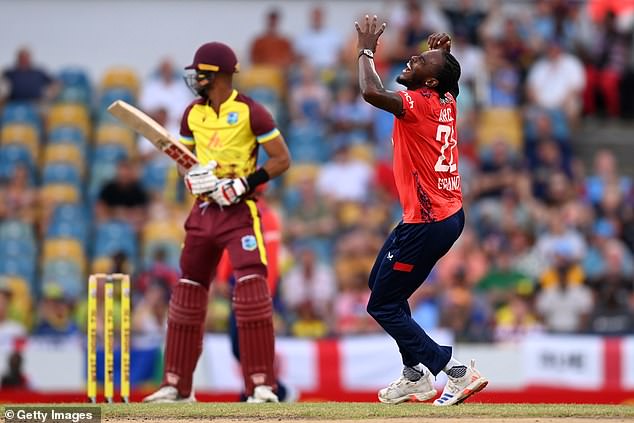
225	129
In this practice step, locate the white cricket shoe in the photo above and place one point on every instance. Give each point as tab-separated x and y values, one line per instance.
459	389
261	394
403	389
168	395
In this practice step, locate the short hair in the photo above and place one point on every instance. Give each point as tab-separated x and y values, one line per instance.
449	75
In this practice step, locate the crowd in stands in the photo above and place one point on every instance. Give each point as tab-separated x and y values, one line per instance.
549	240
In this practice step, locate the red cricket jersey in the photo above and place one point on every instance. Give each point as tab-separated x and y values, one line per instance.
426	157
272	234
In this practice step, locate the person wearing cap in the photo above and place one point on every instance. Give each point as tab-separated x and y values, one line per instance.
225	128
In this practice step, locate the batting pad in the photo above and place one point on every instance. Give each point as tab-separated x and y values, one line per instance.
254	317
185	327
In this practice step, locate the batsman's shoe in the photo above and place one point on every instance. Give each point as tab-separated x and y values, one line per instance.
459	389
403	389
168	395
261	394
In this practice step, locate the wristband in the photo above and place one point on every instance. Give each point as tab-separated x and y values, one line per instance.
366	52
258	177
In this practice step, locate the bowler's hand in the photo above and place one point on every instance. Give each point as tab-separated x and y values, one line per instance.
440	40
368	37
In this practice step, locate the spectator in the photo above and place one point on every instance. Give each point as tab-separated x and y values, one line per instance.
149	318
471	57
548	163
307	323
310	99
19	198
345	178
14	378
609	57
560	239
497	171
605	174
166	91
123	197
502	280
467	18
516	319
350	117
309	217
350	315
564	303
28	82
611	315
319	45
463	313
309	287
557	81
526	259
272	48
10	329
55	313
501	81
614	293
412	37
158	271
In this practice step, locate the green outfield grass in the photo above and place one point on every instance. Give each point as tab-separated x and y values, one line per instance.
333	411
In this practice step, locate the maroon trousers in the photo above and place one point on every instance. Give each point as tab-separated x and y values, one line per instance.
209	230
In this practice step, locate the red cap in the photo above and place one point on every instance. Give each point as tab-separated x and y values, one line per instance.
215	57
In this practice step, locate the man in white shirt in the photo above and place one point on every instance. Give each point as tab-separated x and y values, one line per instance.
166	90
343	178
319	45
557	81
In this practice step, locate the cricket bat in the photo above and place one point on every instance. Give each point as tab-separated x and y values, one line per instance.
143	124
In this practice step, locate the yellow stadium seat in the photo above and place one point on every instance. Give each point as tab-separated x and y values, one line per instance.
362	152
21	302
67	249
75	115
52	194
120	77
163	230
101	265
500	124
24	134
262	76
105	264
115	134
300	172
67	153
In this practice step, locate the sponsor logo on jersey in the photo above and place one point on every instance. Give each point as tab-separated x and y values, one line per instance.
249	243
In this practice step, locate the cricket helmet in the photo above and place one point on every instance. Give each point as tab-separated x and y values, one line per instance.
215	57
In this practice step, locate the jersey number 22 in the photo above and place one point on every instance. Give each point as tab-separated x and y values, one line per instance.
444	134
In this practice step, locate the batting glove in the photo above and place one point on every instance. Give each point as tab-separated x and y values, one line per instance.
201	179
229	191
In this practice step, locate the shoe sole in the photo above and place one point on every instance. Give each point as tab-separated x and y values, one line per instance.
417	397
475	387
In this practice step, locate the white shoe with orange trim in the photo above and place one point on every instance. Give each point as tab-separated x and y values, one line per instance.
403	389
459	389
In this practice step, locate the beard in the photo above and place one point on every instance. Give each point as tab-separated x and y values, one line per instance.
403	81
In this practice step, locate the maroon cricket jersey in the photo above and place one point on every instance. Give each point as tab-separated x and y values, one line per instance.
426	157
